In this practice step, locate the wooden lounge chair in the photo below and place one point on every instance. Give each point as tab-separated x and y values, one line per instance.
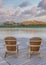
34	45
11	45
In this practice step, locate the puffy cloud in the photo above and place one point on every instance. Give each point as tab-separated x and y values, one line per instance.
41	13
42	4
10	12
1	3
19	10
28	12
23	11
6	14
24	4
33	10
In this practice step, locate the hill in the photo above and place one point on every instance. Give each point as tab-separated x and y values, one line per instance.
32	22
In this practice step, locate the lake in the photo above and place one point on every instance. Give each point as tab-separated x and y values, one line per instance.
22	34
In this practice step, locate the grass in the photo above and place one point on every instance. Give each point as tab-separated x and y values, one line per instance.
23	26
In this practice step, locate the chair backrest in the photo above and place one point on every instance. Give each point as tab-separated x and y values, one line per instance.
35	43
10	43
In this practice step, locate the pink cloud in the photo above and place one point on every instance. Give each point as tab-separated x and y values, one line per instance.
1	3
42	4
7	12
33	10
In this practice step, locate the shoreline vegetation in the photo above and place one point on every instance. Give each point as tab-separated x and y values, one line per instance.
23	26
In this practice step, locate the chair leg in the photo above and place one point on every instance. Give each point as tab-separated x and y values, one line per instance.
30	54
17	51
5	54
39	55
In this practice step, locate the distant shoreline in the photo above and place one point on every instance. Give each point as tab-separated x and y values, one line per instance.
24	26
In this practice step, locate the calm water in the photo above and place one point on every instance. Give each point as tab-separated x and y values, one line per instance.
23	39
22	35
23	32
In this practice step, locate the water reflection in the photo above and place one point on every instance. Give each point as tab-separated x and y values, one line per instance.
22	35
26	33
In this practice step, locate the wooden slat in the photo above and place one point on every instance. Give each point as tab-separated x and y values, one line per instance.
34	45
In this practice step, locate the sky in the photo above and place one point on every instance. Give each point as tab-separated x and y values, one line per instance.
20	10
15	3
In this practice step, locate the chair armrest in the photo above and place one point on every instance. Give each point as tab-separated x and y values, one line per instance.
10	45
10	40
35	41
34	45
